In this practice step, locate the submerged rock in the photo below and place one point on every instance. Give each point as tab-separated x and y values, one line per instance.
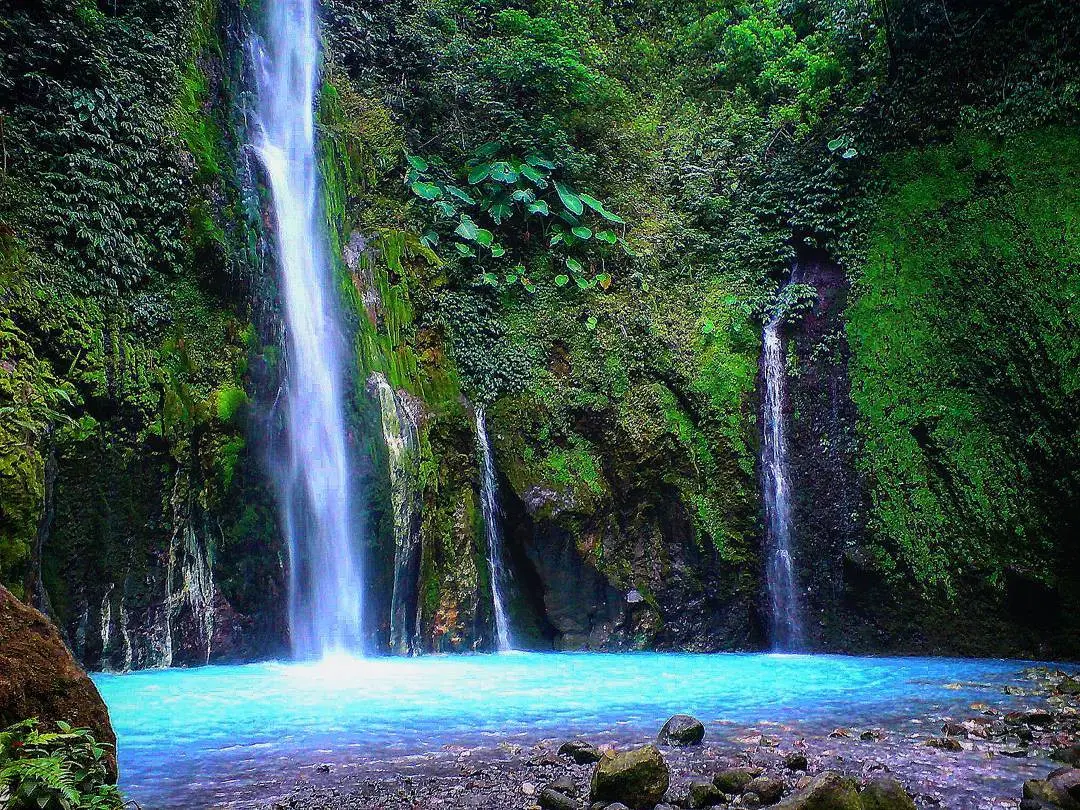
828	791
551	799
768	789
39	678
885	793
637	778
582	752
701	792
733	781
796	761
682	729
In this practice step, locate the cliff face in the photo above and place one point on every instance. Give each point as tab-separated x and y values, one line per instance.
932	404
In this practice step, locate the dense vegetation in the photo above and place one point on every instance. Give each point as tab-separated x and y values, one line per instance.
579	213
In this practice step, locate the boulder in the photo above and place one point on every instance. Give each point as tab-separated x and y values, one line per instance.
682	729
583	753
637	778
551	799
39	678
768	789
827	791
1061	788
1069	755
733	781
885	793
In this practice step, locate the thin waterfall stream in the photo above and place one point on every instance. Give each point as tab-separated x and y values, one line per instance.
786	611
325	581
489	500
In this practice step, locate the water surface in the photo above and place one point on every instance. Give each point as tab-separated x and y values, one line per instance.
201	737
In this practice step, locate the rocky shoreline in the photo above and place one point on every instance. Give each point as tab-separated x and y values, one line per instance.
989	758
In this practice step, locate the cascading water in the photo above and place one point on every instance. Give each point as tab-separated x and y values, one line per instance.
489	498
325	584
787	626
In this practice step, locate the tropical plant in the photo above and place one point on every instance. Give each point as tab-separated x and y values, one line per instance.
495	204
61	770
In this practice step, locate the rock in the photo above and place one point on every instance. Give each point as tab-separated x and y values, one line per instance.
682	729
583	753
796	761
665	807
828	791
614	806
564	785
872	735
554	800
528	788
733	781
1069	755
1068	686
768	789
637	778
885	793
954	730
1060	789
945	744
39	678
701	792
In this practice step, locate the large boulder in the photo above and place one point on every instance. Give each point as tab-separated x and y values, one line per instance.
829	791
39	678
637	778
1061	789
682	729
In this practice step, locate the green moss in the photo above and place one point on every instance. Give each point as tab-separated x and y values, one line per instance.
965	361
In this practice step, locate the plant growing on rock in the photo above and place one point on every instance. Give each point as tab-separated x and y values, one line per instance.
495	198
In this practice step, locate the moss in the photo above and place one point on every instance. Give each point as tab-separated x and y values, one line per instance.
964	368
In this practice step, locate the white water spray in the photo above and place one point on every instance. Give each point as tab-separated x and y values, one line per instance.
787	626
325	584
489	501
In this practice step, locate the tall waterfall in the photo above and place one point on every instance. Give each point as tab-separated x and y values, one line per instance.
787	626
489	502
325	584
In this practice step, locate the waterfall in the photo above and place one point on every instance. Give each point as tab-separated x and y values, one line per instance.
787	628
325	584
489	503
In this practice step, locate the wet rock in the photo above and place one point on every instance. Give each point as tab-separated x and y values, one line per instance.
701	792
872	735
828	791
550	799
1061	789
954	730
614	806
637	778
768	789
885	793
733	781
1069	755
39	678
682	729
945	744
564	785
796	761
582	752
1068	686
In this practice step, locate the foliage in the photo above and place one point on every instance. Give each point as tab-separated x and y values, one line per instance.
521	199
61	770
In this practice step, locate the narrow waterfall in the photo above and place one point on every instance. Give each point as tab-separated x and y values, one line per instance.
399	428
489	503
325	583
787	626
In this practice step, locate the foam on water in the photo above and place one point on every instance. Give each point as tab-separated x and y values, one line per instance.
196	737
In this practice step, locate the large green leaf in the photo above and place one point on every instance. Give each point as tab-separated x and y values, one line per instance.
428	191
540	207
499	211
484	237
417	163
536	160
607	236
534	175
581	232
479	173
571	200
574	264
562	280
461	194
466	228
503	172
